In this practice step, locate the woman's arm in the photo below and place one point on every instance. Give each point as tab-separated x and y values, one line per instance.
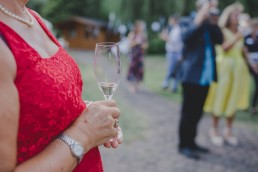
164	35
131	40
145	43
9	109
195	30
228	44
92	128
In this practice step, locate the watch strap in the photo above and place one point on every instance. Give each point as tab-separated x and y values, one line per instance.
70	142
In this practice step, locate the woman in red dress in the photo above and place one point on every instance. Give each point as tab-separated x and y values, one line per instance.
45	125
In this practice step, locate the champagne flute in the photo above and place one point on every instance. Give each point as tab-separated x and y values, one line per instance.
107	67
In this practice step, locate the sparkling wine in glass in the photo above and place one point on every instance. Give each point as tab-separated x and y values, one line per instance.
107	67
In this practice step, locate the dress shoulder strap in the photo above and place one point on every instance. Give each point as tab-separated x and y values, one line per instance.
24	54
11	38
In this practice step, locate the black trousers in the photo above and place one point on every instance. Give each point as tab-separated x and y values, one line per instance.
192	109
255	95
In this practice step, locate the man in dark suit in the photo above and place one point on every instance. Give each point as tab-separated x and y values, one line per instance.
198	70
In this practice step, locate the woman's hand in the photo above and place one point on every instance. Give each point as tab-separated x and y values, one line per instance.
254	67
95	126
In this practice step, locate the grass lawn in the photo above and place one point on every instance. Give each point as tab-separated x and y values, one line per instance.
155	71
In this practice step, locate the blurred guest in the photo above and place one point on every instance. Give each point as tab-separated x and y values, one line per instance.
139	43
174	45
198	70
231	92
251	43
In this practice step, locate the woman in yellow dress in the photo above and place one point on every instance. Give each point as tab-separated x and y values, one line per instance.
231	92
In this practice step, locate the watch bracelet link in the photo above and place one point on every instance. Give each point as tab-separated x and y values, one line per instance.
68	140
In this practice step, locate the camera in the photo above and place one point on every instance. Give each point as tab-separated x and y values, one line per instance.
214	12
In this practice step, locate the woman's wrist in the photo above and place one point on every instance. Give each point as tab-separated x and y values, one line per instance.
75	133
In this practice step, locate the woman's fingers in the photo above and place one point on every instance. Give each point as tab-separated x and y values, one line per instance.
118	139
114	144
107	144
110	103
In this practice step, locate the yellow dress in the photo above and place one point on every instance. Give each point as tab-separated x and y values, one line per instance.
231	92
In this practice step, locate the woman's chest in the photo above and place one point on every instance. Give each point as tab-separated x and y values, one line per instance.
49	83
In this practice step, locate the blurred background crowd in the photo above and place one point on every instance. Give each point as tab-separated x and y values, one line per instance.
165	27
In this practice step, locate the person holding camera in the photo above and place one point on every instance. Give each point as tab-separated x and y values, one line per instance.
198	71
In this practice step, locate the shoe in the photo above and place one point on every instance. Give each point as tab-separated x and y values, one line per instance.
230	139
200	149
216	140
189	153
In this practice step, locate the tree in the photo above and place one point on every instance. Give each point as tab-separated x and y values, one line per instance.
125	10
37	5
56	10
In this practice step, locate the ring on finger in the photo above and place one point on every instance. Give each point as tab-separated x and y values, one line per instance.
116	123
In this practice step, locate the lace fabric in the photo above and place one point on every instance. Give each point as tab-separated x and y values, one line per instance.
50	95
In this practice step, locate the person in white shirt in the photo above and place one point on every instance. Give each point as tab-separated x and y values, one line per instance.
174	45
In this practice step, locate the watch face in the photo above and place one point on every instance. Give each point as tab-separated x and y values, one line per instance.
77	150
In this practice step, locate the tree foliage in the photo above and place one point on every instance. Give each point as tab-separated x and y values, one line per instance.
125	10
37	5
56	10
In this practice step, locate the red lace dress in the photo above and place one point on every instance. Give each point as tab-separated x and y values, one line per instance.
50	95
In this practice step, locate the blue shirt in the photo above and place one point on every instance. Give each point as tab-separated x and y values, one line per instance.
207	70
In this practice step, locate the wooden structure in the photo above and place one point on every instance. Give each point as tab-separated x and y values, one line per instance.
84	33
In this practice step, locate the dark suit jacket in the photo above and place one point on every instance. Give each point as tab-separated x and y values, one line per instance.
194	51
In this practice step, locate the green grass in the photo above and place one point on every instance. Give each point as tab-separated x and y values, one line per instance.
155	71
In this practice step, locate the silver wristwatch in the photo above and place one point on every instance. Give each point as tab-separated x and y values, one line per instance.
75	146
